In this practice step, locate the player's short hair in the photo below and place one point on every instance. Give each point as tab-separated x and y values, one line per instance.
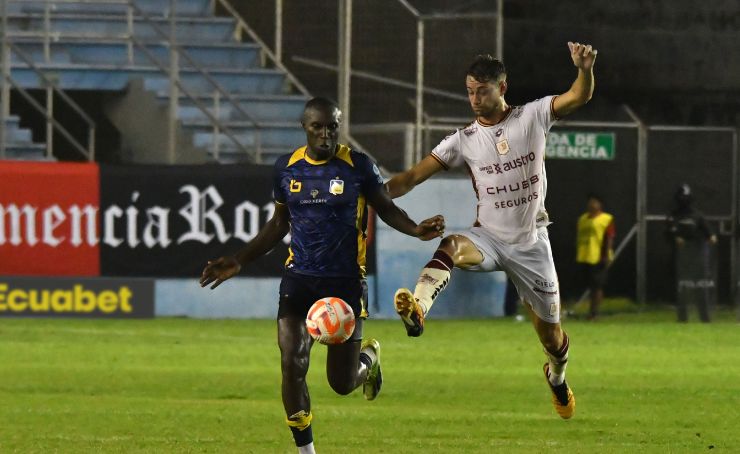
320	102
485	68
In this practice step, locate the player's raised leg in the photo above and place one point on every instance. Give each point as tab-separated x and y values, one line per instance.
454	250
555	343
352	363
295	349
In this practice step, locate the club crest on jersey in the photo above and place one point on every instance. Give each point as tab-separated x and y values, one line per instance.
502	147
314	193
336	187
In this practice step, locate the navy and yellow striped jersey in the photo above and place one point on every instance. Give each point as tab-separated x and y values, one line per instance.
328	211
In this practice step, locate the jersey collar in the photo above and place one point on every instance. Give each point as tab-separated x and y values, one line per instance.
300	154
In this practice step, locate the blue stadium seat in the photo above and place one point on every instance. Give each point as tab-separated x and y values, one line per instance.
98	27
87	77
275	135
90	48
263	108
194	8
19	142
216	55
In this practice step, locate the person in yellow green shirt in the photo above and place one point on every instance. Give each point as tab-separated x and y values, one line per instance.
595	249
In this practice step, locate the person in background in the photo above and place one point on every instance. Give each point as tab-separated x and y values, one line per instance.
691	236
595	249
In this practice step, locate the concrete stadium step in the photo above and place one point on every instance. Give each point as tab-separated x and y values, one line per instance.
206	29
151	7
113	78
14	133
270	136
262	108
26	151
236	156
208	56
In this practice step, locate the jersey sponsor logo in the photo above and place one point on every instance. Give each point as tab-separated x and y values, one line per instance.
336	187
376	171
508	165
519	162
511	203
546	292
546	284
502	147
513	187
499	132
295	186
312	201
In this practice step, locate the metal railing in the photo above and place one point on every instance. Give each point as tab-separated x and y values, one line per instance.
51	89
133	15
48	112
276	56
218	126
421	20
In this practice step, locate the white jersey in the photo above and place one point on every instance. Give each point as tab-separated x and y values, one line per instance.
507	164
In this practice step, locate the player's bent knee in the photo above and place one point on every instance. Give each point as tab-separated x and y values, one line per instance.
341	386
342	381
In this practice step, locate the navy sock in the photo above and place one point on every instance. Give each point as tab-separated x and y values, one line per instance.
302	437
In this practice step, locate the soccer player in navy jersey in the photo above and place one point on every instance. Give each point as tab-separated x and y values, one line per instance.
321	193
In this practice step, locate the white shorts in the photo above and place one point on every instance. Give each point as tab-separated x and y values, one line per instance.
530	267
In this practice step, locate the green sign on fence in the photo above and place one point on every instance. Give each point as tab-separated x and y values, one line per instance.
580	145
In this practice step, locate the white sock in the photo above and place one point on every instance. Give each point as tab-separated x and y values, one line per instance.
557	364
307	449
556	378
430	284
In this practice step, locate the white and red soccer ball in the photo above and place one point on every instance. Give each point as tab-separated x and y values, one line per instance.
330	321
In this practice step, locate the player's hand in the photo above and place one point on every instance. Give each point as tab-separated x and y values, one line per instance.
431	228
219	270
583	55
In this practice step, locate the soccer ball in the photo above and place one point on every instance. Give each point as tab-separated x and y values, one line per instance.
330	321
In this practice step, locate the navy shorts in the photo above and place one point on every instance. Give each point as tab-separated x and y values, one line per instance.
298	292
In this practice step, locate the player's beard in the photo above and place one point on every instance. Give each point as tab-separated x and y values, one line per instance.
484	112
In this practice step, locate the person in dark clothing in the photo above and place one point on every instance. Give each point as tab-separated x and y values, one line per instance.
691	236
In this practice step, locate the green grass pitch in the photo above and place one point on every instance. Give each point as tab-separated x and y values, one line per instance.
643	383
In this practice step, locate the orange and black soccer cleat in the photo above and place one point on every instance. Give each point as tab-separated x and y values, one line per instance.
562	397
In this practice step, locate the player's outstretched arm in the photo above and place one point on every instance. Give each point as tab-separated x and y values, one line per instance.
399	220
584	57
404	182
223	268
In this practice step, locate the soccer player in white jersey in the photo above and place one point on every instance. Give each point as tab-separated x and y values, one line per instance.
504	150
